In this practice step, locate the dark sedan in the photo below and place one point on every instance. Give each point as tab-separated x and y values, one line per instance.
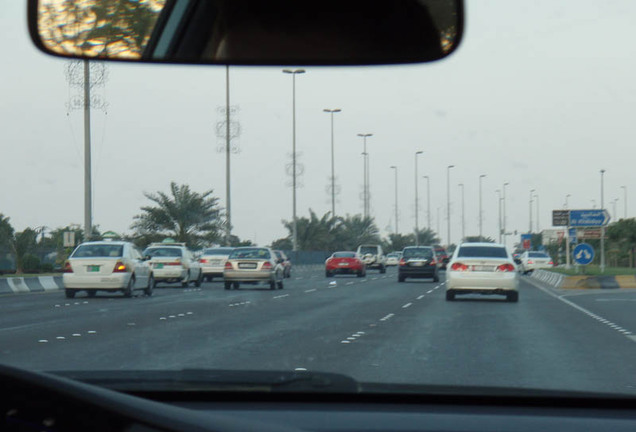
418	262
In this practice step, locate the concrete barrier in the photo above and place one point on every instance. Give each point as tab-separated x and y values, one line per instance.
558	280
17	285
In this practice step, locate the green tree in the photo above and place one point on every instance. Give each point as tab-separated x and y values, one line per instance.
354	231
182	214
397	242
622	238
6	230
284	243
427	237
22	243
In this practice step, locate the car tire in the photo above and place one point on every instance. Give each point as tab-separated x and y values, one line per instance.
272	285
512	297
360	274
209	278
227	285
236	285
91	293
199	280
186	281
383	269
328	274
128	291
401	278
69	293
279	284
436	278
450	295
150	287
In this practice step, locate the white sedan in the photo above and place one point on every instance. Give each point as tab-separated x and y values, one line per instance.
113	266
482	268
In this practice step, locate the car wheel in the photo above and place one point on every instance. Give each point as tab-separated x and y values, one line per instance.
128	291
280	284
272	285
70	293
209	278
450	295
91	293
151	286
184	283
235	285
512	297
228	285
436	278
401	278
360	274
383	269
199	280
328	274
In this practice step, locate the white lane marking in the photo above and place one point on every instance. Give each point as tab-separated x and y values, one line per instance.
610	299
580	308
345	341
181	315
60	338
298	278
299	369
91	332
281	296
374	278
131	324
429	291
349	283
420	297
406	305
351	338
171	316
58	305
42	341
311	290
163	318
76	335
387	317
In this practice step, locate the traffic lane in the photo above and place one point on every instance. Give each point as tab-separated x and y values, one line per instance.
539	342
282	331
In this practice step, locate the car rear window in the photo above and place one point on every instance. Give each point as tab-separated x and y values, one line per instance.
250	253
424	253
99	251
344	255
482	252
368	250
537	255
168	252
218	251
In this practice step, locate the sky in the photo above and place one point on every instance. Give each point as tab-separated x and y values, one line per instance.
539	95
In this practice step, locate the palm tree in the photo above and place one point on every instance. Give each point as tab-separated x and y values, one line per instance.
184	215
314	233
356	230
21	244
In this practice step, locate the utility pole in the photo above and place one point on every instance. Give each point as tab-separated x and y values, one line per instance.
448	168
228	202
505	233
461	185
333	172
428	203
481	217
396	198
624	201
417	228
530	213
602	227
499	219
365	188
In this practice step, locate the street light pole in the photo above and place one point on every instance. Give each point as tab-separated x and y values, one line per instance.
295	219
530	213
536	198
428	203
417	227
624	201
566	200
504	212
365	180
499	205
461	185
396	198
602	228
333	173
448	218
481	217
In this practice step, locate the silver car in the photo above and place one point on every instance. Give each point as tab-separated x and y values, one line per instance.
213	262
253	265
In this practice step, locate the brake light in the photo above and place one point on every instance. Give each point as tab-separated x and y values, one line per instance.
551	263
67	267
266	265
228	265
506	268
173	263
530	262
459	267
203	261
433	262
120	267
402	262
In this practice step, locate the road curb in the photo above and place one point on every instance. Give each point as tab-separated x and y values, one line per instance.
557	280
23	285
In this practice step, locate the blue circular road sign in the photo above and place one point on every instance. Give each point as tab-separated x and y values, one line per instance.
583	254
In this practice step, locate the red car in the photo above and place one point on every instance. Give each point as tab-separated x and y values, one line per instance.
441	255
345	263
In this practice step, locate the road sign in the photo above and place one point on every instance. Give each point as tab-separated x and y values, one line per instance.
68	239
591	218
589	233
572	235
526	241
583	254
560	217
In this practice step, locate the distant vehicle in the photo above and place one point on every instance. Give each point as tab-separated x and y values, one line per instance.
253	265
418	262
393	258
173	263
287	264
441	256
482	268
112	266
531	261
213	262
345	262
373	257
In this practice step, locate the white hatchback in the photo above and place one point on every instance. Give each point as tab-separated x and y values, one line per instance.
482	268
113	266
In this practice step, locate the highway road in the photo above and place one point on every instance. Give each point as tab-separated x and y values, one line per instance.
373	329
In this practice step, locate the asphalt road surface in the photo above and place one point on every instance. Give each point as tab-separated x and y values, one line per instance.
373	329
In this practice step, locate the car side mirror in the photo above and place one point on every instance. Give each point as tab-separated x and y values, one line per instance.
517	261
146	258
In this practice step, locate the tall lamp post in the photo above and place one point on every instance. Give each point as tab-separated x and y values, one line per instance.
461	185
365	180
503	220
536	198
293	73
530	213
499	219
448	218
567	198
333	172
417	227
602	228
624	201
396	197
428	202
481	216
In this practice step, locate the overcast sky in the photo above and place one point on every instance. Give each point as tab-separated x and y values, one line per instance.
540	94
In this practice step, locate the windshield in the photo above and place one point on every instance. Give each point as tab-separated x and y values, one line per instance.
537	255
410	253
522	139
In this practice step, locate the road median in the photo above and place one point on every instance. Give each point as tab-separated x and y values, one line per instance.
30	284
561	281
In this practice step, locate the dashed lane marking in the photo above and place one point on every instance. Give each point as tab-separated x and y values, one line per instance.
311	290
420	297
280	296
388	317
407	305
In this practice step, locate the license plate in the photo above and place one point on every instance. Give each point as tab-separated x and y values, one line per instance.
158	265
343	264
483	268
215	262
93	268
418	264
247	265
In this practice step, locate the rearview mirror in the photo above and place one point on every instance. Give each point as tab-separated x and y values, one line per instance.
274	32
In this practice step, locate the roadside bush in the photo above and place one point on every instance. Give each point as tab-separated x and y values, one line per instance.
47	268
31	263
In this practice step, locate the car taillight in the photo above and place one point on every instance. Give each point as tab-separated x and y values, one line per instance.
459	267
203	261
120	267
506	268
530	262
266	265
228	265
433	262
551	263
402	262
173	263
67	267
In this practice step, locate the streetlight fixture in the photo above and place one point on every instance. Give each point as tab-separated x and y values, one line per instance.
530	213
625	201
365	180
448	218
566	200
602	227
396	197
417	227
428	202
481	217
461	185
293	73
333	173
